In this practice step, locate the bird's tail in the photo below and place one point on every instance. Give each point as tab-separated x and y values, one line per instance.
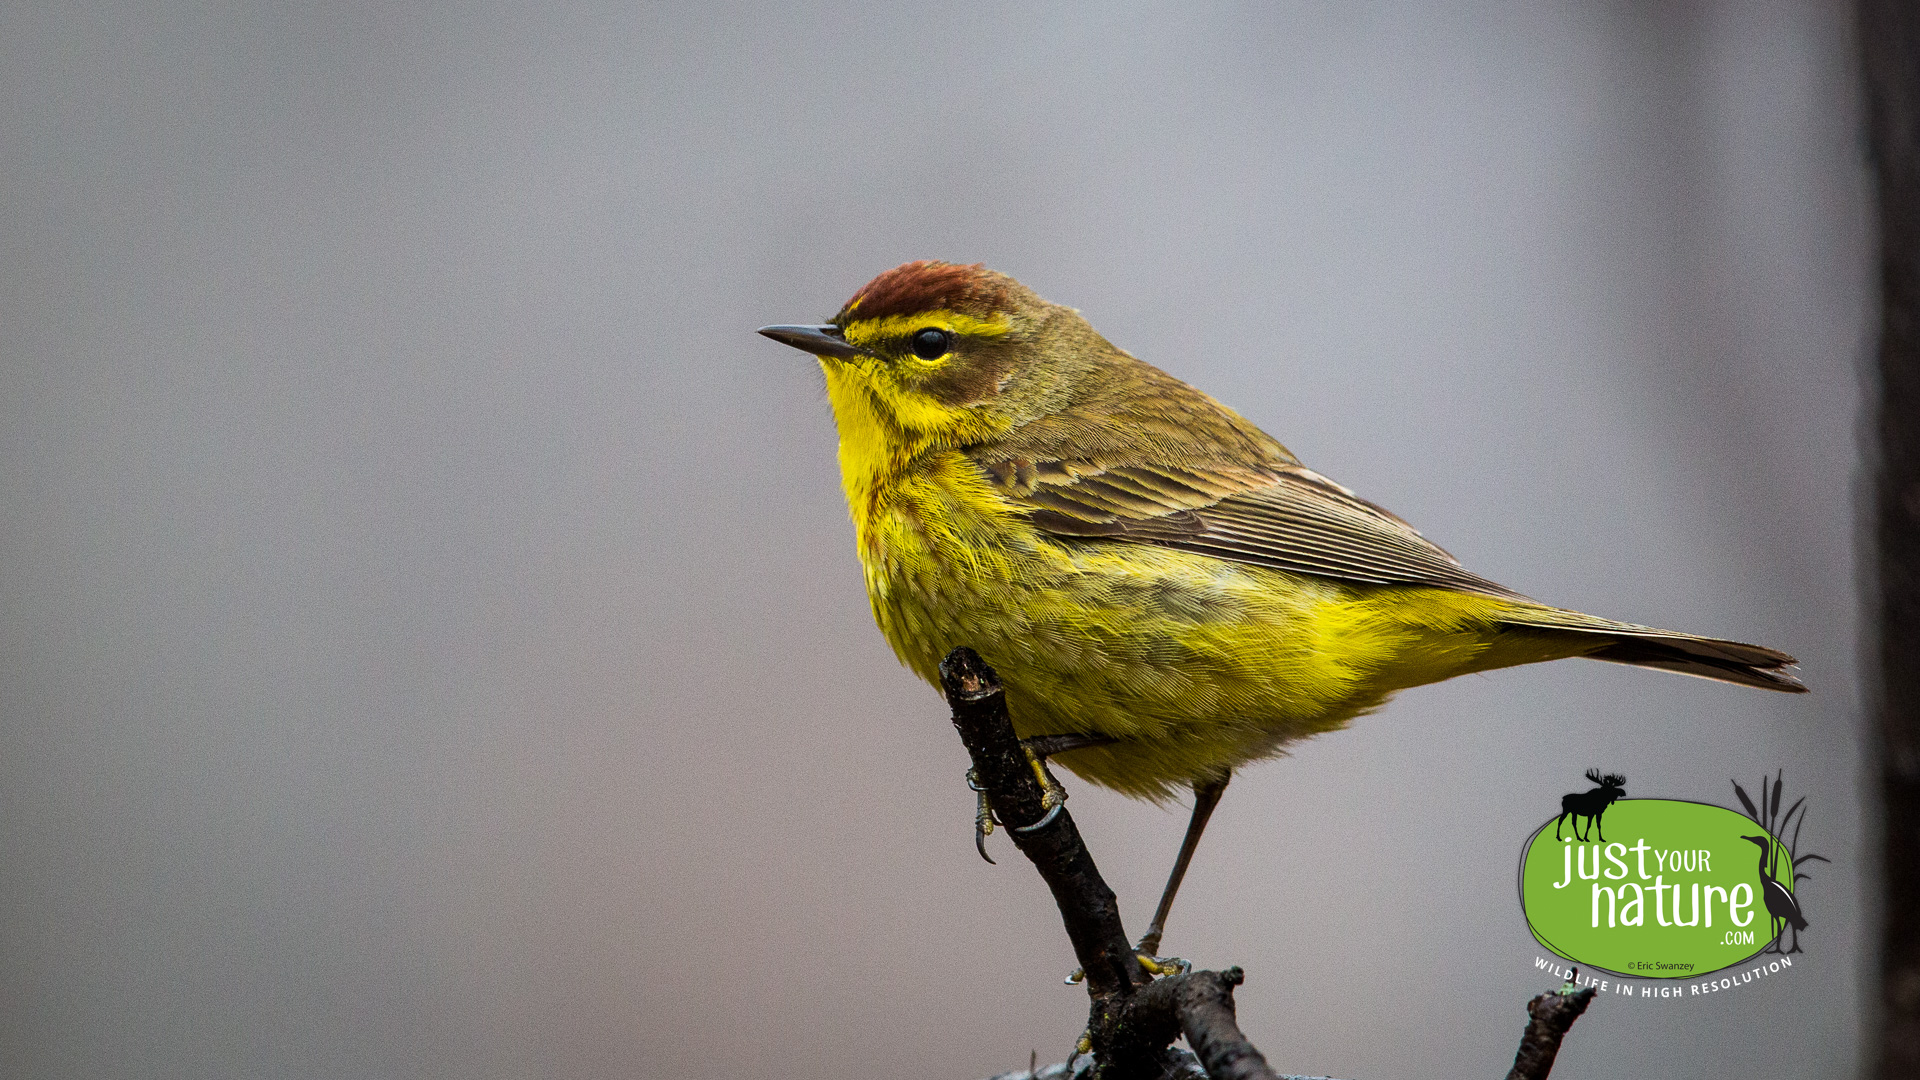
1644	646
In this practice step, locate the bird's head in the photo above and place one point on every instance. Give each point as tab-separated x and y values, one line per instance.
1764	842
935	352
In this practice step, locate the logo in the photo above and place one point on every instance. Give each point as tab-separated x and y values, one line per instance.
1682	889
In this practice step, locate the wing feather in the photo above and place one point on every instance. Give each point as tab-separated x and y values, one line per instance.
1140	457
1281	515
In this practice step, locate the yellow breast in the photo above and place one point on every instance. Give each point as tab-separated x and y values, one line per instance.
1196	664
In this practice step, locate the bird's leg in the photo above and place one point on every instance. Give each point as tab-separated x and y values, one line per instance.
1206	796
1042	747
1052	795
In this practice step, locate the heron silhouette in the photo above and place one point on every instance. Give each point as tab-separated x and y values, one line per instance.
1780	903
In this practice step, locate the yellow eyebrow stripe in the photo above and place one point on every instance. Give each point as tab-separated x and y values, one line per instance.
867	331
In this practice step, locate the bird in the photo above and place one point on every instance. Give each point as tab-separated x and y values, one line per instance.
1781	905
1163	588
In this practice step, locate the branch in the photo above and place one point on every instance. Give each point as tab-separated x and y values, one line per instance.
1204	1002
1549	1017
1134	1017
1087	906
1889	38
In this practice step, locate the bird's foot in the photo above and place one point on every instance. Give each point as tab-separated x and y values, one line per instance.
1163	965
1155	965
1052	797
982	815
1081	1045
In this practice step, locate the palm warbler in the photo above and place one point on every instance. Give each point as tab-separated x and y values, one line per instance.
1140	564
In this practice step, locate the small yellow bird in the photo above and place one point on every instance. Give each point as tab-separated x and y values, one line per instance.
1141	565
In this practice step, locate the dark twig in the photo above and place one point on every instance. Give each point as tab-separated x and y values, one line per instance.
1087	906
1549	1017
1198	1005
1134	1017
1889	37
1207	1020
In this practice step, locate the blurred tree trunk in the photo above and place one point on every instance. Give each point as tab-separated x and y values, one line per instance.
1890	45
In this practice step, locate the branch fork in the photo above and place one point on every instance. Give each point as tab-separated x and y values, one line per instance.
1134	1017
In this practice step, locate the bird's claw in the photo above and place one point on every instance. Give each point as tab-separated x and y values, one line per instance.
1045	821
982	815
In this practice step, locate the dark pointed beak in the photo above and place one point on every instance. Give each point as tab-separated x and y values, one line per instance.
818	340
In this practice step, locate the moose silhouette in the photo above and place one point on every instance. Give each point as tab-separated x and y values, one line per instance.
1590	804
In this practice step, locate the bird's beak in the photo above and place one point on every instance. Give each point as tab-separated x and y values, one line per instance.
818	340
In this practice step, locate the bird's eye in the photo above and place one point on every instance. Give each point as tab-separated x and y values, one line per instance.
932	344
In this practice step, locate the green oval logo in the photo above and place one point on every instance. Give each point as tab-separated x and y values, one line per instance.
1657	888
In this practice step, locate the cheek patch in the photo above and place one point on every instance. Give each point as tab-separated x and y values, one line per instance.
968	380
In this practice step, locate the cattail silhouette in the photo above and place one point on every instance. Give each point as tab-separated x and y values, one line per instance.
1780	900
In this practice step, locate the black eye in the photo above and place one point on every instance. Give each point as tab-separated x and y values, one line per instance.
932	344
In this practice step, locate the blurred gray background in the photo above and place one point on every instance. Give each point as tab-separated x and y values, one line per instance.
431	642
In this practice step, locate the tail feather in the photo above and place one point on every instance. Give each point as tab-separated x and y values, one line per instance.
1645	646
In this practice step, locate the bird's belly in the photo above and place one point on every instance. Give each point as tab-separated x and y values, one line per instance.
1196	665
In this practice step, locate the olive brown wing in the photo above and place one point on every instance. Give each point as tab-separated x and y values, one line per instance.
1286	516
